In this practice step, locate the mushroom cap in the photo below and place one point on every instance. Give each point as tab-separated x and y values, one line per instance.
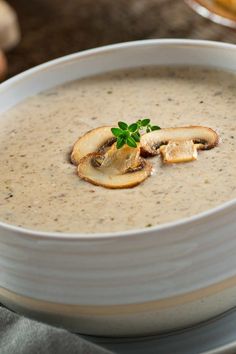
105	178
204	137
90	142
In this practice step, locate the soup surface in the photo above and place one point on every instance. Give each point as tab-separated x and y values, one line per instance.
40	188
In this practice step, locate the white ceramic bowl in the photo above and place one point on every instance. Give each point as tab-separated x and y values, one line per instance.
129	283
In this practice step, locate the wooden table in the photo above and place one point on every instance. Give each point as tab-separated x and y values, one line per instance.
53	28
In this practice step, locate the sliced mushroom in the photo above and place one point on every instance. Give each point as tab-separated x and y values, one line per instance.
120	160
178	144
95	140
118	168
179	151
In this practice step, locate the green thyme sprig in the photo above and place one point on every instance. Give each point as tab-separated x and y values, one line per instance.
131	134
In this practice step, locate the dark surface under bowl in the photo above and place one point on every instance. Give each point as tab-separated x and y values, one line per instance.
53	28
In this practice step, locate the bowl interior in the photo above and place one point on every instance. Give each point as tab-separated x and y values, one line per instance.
120	56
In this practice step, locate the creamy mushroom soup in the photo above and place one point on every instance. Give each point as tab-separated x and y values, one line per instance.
40	188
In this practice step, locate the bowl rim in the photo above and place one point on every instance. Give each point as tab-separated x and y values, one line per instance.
51	236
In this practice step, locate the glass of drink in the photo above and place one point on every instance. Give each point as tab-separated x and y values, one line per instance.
219	11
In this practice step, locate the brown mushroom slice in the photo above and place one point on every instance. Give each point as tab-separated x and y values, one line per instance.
179	151
119	161
119	168
93	141
94	175
203	137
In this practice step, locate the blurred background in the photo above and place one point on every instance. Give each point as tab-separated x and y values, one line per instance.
53	28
